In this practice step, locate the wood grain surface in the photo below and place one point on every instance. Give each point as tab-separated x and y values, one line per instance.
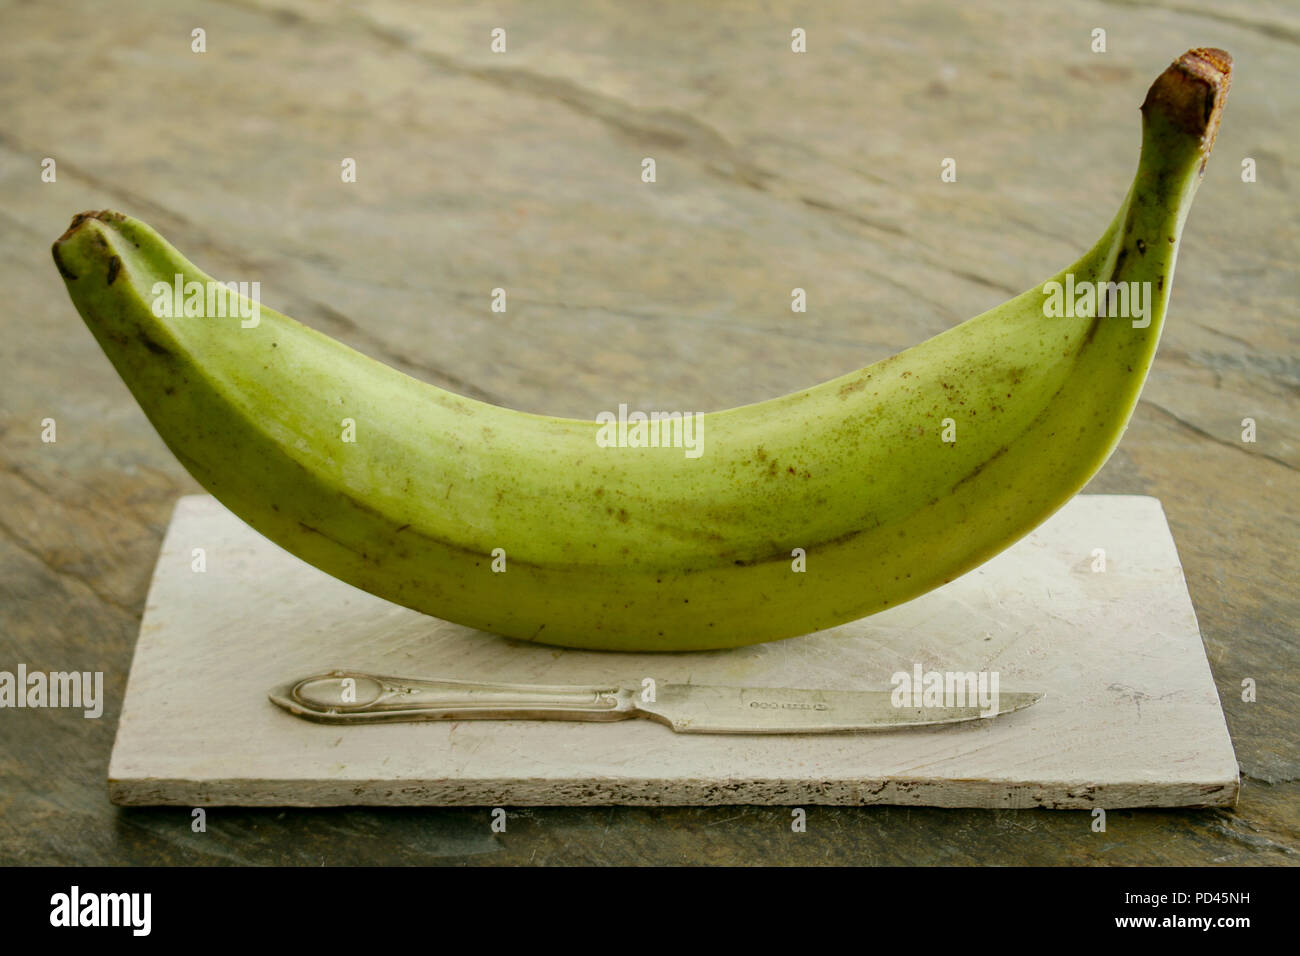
522	170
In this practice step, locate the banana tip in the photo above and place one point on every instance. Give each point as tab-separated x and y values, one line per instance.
103	215
78	221
1190	94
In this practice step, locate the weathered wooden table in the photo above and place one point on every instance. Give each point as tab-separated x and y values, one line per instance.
522	170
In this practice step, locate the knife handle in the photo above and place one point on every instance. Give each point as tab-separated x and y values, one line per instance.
354	697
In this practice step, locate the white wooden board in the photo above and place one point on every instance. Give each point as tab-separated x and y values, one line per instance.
1131	718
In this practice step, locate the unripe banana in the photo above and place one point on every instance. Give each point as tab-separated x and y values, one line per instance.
527	526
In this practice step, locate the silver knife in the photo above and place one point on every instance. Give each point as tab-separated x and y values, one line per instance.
347	697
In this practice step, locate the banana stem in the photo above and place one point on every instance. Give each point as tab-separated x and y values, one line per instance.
1185	103
1180	120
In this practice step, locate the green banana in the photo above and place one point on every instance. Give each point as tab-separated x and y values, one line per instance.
795	514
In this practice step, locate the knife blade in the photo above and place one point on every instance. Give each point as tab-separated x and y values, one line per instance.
348	697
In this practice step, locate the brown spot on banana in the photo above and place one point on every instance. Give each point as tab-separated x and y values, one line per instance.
58	262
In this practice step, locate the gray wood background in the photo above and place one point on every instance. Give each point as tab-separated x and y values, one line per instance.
522	170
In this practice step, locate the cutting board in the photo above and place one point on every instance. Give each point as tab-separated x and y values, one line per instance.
1091	608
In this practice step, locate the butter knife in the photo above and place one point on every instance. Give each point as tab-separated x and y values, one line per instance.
348	697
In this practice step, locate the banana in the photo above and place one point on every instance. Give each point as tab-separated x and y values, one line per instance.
798	514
